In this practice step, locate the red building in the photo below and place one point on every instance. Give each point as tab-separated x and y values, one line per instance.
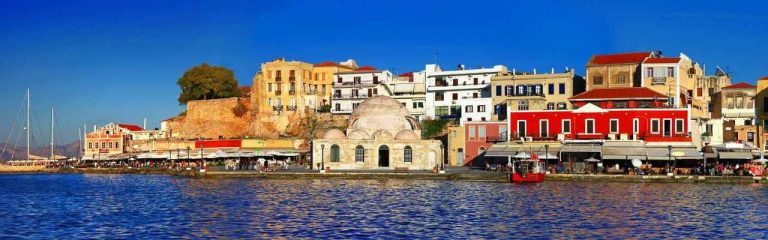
479	136
609	114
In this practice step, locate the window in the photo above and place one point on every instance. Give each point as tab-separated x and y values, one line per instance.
354	105
544	128
103	145
679	126
481	108
589	126
509	91
711	91
739	102
522	105
110	144
747	122
498	91
455	96
551	88
278	74
292	73
621	78
469	119
567	126
468	108
649	72
357	80
562	88
407	154
670	72
620	104
521	128
359	154
90	145
474	81
335	153
614	126
439	96
561	106
375	79
316	78
654	125
474	95
699	92
481	131
597	80
550	106
441	111
269	87
472	132
635	125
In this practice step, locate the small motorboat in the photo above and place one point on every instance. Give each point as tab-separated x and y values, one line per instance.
528	171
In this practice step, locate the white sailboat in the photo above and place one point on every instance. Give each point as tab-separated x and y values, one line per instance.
30	164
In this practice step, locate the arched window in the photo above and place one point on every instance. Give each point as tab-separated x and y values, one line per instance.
408	154
335	153
510	90
359	154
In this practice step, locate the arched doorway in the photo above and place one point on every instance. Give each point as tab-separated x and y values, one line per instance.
383	156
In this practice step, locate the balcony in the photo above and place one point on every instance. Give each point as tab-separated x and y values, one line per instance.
351	96
495	139
290	108
658	80
277	108
278	92
292	79
292	92
534	136
278	79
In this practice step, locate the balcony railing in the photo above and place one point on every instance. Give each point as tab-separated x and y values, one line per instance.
277	108
493	139
292	79
439	83
278	79
361	95
290	108
659	80
278	92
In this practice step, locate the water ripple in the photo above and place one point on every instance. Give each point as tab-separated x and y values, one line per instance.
156	206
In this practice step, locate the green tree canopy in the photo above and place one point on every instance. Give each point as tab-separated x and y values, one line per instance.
207	82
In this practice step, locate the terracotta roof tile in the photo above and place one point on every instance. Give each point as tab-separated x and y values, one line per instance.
618	93
740	85
366	68
662	60
331	64
619	58
130	127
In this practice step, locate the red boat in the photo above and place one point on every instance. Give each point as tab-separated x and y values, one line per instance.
528	171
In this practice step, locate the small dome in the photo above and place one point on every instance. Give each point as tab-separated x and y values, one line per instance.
382	135
358	135
334	134
406	134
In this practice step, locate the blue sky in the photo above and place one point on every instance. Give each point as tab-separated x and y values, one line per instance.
118	61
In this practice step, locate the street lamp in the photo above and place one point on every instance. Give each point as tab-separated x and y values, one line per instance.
669	167
322	157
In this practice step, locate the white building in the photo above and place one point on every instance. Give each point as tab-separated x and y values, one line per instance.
409	89
352	88
450	94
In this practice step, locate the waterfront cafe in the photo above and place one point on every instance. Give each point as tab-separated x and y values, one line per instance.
504	153
730	153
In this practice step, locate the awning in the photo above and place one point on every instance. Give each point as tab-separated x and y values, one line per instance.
662	154
502	150
736	155
581	148
624	150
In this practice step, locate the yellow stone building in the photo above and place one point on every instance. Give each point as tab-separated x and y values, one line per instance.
278	87
615	70
320	85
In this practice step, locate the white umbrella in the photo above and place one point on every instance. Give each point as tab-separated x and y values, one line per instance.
637	163
591	159
762	160
522	155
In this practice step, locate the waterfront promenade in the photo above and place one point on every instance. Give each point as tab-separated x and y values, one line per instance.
451	174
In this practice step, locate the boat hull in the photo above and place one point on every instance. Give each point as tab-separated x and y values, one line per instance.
527	178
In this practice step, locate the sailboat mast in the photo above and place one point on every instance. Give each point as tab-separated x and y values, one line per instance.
52	132
28	127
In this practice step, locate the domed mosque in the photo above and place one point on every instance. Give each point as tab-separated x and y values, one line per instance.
381	134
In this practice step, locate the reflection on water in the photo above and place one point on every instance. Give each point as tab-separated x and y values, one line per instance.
156	206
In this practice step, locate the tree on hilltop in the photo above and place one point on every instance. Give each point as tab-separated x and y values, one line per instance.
204	82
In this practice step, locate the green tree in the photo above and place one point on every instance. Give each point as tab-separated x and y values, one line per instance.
204	81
